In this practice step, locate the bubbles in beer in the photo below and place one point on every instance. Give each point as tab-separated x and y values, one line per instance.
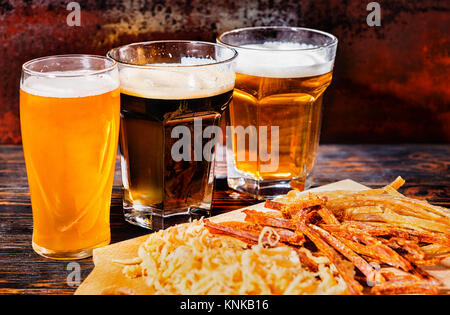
67	86
176	81
282	60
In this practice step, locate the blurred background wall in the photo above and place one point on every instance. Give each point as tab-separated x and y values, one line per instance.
391	83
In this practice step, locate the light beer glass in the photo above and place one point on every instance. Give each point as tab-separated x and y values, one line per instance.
70	116
275	116
173	94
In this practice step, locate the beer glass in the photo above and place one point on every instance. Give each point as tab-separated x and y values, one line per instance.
275	116
173	94
70	115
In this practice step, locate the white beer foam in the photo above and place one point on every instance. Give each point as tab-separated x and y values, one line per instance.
174	81
282	60
69	87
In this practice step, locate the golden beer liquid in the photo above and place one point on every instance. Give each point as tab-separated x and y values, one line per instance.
293	104
70	148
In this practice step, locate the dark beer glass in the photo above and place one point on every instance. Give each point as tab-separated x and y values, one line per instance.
173	94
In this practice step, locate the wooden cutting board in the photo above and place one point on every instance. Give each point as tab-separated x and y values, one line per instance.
108	275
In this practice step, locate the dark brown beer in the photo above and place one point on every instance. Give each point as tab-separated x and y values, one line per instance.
151	176
173	94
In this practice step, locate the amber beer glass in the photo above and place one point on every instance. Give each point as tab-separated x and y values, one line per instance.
275	116
173	94
70	115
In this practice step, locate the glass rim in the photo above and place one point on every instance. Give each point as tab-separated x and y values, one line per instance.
53	74
173	66
333	42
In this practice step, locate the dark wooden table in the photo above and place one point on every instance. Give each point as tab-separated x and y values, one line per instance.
425	167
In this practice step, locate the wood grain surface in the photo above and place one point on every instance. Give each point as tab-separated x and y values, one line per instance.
425	167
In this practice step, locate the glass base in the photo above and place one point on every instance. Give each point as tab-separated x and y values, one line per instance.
148	218
267	189
66	255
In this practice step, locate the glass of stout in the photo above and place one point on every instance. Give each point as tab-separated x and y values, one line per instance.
173	94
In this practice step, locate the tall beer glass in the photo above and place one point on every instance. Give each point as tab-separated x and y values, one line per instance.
275	115
70	115
173	94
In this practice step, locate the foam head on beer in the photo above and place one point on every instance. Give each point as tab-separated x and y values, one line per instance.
282	60
68	86
277	97
178	81
163	166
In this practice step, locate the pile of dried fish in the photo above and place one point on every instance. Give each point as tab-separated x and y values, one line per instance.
377	239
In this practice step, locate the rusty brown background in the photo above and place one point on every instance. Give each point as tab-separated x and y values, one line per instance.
391	82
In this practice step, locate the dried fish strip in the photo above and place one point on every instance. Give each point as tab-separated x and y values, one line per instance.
375	247
266	219
406	287
359	262
252	232
343	268
384	229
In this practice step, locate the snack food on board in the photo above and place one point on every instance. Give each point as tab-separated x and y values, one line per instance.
330	242
383	235
188	259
